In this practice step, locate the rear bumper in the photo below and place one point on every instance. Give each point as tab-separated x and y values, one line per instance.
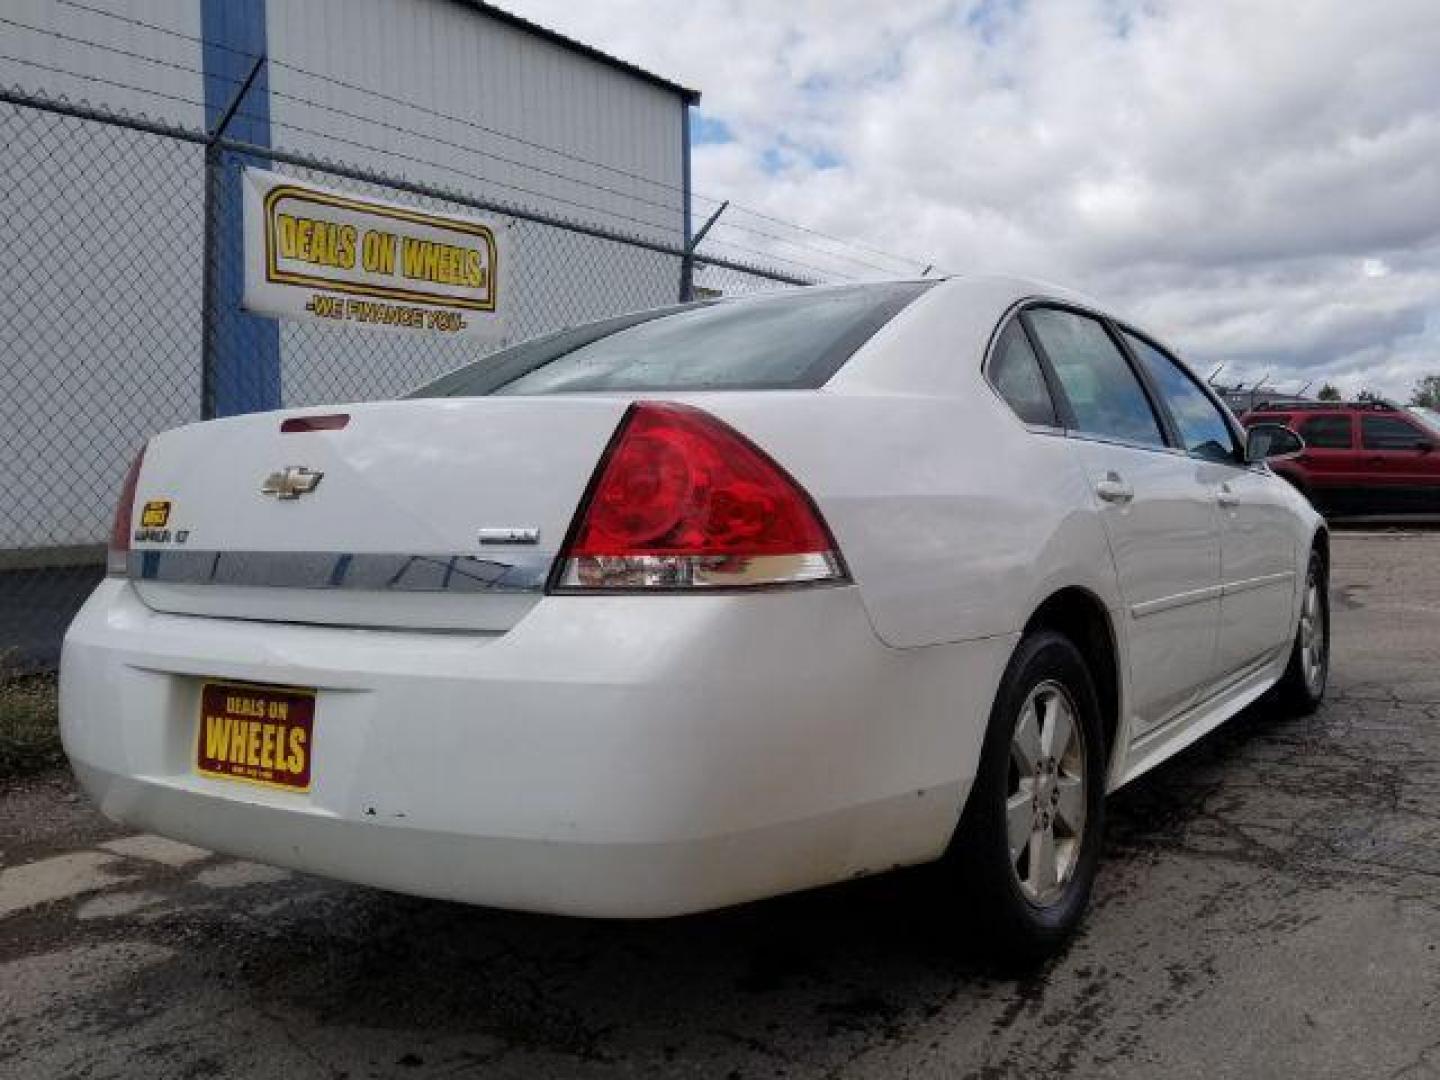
616	756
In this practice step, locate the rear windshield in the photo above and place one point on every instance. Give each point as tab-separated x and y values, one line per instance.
793	340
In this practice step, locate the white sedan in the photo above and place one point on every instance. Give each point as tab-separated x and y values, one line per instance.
704	604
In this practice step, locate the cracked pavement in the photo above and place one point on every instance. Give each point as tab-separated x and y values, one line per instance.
1269	905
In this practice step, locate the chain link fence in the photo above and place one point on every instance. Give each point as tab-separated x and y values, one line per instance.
116	321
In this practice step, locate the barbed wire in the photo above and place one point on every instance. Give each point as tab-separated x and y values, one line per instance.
242	113
723	224
908	262
648	223
381	95
408	132
821	271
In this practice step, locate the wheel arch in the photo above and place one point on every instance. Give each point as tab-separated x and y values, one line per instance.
1082	617
1320	543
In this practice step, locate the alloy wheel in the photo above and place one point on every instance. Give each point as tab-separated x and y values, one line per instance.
1046	799
1312	636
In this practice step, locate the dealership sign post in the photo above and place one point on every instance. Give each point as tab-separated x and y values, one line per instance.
316	253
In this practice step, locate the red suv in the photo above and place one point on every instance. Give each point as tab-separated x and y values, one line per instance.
1359	458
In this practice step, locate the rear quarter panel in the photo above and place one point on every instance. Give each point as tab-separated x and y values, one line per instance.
955	520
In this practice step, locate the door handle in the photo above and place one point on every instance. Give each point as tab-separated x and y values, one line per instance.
1114	490
1227	498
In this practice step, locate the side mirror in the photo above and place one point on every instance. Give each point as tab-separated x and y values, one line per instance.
1266	442
1424	445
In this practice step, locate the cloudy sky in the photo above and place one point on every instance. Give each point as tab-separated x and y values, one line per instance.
1258	181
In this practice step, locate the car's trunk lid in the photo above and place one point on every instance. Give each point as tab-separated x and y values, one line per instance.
438	513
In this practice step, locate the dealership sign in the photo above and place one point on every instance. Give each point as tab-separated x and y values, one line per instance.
315	253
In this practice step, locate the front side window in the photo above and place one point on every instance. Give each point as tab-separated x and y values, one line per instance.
1104	394
1015	373
1390	433
792	340
1326	432
1202	427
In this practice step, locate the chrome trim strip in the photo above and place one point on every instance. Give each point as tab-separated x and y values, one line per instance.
518	572
1259	582
1210	592
1166	603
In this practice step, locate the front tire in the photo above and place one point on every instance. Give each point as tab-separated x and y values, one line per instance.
1302	688
1028	844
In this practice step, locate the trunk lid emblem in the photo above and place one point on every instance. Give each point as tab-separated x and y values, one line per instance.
291	482
510	535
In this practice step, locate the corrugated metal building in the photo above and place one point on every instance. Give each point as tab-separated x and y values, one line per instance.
455	93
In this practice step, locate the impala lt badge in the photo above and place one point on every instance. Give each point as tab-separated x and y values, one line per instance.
291	482
513	535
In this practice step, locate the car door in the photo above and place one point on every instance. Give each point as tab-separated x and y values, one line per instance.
1329	462
1258	558
1402	459
1157	506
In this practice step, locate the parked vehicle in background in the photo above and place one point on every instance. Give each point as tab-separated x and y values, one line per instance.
1364	457
704	604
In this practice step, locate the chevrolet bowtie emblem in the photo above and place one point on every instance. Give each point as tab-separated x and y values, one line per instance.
291	482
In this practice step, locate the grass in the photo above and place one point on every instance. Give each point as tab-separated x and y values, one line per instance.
29	726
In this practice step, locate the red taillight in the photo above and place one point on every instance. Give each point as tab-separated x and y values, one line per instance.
681	499
115	559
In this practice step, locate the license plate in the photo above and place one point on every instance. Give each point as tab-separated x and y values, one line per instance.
258	734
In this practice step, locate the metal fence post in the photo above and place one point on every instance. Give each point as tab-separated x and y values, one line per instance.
210	298
687	261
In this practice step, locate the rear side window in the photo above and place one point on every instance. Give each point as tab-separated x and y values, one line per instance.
1326	432
1103	392
1202	426
793	340
1015	374
1389	433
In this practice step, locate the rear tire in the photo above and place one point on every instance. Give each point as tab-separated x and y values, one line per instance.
1029	841
1302	688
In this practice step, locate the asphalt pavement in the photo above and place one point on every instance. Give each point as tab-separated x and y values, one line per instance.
1269	906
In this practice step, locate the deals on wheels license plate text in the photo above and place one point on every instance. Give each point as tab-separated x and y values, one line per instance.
258	734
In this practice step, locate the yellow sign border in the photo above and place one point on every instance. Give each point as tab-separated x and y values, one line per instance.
275	275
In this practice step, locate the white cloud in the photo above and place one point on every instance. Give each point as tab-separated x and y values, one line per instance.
1258	180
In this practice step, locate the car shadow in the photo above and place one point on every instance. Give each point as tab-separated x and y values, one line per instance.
873	958
876	959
